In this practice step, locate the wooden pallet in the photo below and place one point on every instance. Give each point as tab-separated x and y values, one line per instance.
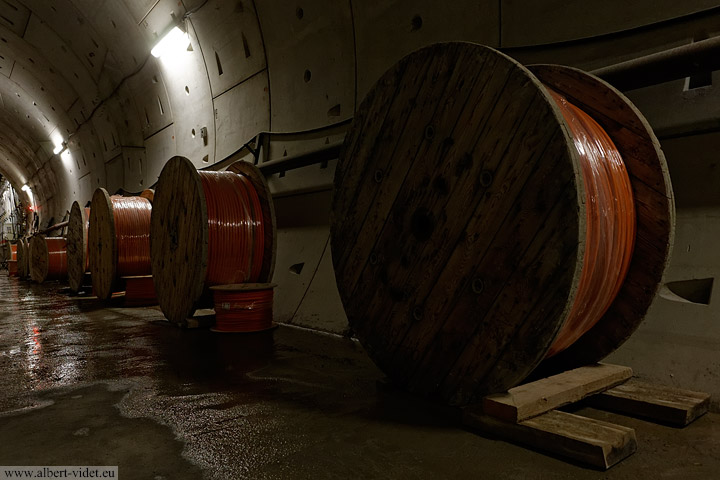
528	415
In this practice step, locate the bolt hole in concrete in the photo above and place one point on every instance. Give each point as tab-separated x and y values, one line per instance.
307	76
299	13
297	268
193	133
187	90
697	291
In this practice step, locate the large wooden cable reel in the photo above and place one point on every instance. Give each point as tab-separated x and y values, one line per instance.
179	237
458	220
103	247
48	258
77	246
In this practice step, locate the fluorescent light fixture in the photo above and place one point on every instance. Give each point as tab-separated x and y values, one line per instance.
25	188
59	147
174	40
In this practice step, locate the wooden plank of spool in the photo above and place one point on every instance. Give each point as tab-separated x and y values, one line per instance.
26	258
655	209
423	212
538	397
592	442
268	207
179	239
22	270
77	238
667	405
38	258
103	246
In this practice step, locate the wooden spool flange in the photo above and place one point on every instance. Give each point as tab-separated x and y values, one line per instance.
103	245
23	256
77	242
179	236
458	220
40	259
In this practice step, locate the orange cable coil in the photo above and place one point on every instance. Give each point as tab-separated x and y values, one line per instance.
132	233
243	311
236	230
611	224
57	257
140	291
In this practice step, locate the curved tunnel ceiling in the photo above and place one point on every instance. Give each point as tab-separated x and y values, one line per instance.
81	71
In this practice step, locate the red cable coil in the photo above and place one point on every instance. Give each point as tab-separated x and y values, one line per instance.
611	224
13	253
140	291
236	231
243	311
132	233
57	257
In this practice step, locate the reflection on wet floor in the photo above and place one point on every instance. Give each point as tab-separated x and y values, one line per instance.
287	403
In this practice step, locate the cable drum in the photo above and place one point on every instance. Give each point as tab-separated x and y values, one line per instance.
209	228
490	221
119	240
77	246
48	258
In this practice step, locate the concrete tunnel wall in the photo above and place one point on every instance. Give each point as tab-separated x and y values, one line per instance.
80	70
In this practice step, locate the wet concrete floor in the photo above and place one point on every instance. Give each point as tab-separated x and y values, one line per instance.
86	385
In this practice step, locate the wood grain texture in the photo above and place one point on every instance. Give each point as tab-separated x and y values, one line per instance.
38	259
538	397
26	258
662	404
458	222
179	240
77	241
591	442
655	209
261	186
22	259
102	245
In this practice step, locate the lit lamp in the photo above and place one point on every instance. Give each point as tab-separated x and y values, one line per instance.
59	148
172	42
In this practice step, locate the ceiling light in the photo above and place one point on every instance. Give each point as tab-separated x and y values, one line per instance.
174	40
59	148
25	188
